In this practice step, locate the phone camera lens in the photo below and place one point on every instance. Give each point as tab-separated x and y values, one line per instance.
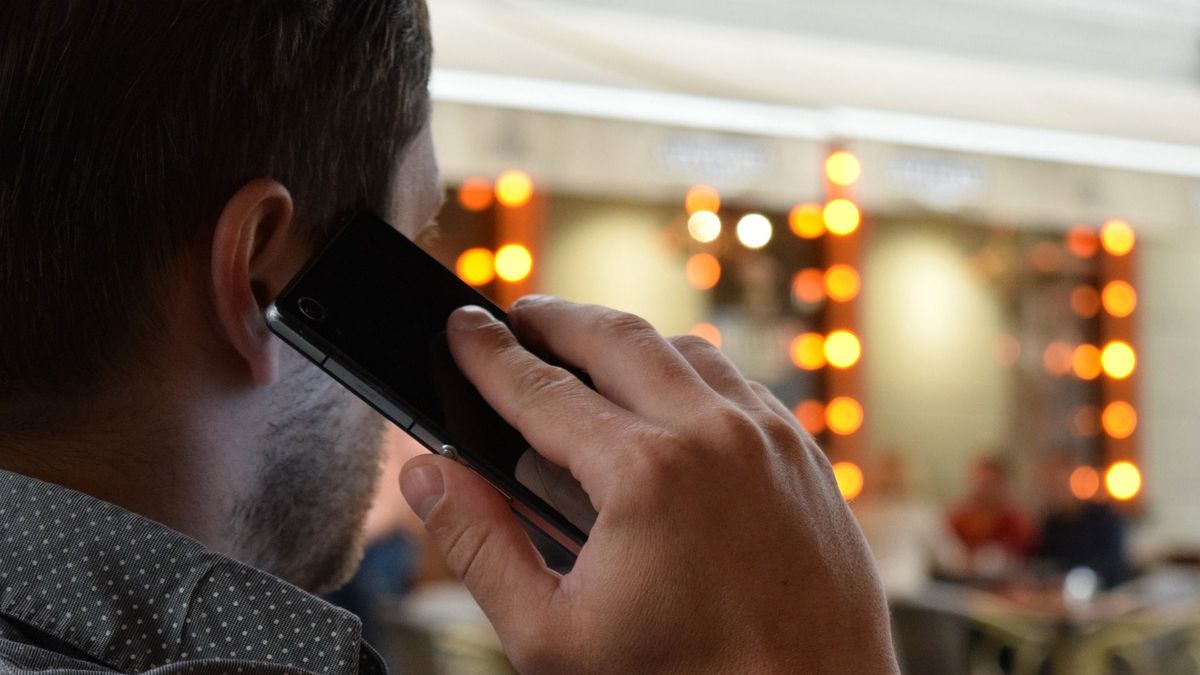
311	308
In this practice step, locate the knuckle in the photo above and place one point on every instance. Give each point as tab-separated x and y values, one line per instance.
692	344
662	460
542	384
623	326
733	427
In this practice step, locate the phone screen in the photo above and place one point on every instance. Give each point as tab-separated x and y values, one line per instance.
371	310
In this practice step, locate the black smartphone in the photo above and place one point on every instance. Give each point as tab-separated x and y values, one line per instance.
370	309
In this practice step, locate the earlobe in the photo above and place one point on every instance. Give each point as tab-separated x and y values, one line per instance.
253	253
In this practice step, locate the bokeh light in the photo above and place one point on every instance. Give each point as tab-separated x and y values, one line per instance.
849	479
844	416
1085	421
1118	359
514	262
1058	357
806	221
704	226
703	271
514	188
702	198
1046	257
1119	419
476	266
843	168
1119	298
1123	480
808	286
475	194
754	230
842	283
1117	237
1082	242
807	351
842	349
811	416
1085	301
708	332
1085	482
1085	361
841	217
1006	349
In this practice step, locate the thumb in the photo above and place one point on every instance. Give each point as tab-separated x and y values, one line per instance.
472	526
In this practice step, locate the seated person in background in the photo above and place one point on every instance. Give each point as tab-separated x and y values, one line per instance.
995	530
906	531
1079	533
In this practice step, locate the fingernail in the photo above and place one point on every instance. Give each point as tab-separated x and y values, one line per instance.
422	487
470	317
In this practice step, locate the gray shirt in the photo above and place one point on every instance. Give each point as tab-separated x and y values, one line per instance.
86	586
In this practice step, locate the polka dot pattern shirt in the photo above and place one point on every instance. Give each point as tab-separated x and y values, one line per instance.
86	586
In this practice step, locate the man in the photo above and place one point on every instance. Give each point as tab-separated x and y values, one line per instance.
171	466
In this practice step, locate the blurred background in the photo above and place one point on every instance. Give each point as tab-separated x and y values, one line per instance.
958	237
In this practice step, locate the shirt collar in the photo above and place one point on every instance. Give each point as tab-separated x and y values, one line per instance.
135	594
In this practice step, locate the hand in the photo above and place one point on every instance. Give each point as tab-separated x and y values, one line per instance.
722	542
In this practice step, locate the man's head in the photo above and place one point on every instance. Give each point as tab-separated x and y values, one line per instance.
167	166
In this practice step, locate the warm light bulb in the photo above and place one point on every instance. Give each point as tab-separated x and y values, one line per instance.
514	262
1118	360
703	271
1085	361
704	226
1085	482
806	221
514	188
476	266
843	168
842	217
844	416
807	351
708	332
1119	298
1119	419
842	349
1117	237
1058	357
1085	301
475	194
842	283
1082	242
808	286
849	479
1123	480
702	198
754	230
811	416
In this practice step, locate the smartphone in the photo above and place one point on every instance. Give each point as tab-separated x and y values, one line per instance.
370	309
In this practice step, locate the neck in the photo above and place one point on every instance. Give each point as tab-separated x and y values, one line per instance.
142	458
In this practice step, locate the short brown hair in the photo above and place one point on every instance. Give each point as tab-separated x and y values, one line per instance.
125	125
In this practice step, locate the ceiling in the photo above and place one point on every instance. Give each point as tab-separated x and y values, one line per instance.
1128	69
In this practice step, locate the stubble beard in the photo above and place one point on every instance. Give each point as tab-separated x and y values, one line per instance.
321	456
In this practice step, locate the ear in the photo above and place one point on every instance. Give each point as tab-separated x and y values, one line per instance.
255	251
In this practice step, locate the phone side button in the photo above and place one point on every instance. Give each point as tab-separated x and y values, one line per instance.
427	437
389	409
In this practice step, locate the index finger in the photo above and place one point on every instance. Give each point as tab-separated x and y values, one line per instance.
562	418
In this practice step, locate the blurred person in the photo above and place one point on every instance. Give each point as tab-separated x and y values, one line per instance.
905	530
989	522
174	481
1079	533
